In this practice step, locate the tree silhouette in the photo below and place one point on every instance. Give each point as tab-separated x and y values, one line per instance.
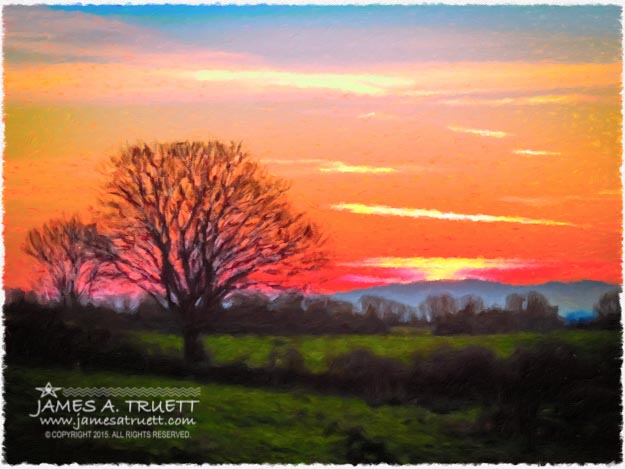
67	251
608	311
608	305
191	222
438	306
514	302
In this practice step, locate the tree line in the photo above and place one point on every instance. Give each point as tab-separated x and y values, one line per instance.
446	314
294	313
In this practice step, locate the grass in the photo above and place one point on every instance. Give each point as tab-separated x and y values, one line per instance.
238	425
317	350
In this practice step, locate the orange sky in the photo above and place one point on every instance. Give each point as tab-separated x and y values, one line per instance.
416	165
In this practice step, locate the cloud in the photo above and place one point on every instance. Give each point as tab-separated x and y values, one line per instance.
359	84
523	100
376	115
384	210
38	34
328	166
536	152
288	162
80	56
554	200
611	192
532	201
480	132
425	93
368	115
438	268
370	279
340	167
562	99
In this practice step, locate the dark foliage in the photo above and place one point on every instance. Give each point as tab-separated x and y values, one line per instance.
40	336
361	449
291	314
554	394
378	379
287	358
608	312
90	339
471	373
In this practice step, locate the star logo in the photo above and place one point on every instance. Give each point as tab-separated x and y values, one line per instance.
48	390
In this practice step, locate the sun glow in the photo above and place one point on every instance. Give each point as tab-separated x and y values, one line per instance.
440	268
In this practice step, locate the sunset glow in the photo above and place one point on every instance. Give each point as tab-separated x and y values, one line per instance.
439	268
425	142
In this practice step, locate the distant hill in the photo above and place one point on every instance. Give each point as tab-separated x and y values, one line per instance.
570	297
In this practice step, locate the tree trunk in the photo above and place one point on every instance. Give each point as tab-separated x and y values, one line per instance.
193	347
70	300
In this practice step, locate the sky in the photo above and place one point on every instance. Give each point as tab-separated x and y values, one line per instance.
428	142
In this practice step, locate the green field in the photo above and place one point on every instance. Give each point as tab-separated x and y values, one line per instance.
239	424
317	350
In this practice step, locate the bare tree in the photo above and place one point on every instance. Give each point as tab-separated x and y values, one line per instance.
391	312
191	222
438	306
471	304
608	311
538	304
608	305
66	249
514	302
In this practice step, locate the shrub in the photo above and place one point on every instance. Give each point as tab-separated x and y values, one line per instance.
376	378
286	358
361	449
471	373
